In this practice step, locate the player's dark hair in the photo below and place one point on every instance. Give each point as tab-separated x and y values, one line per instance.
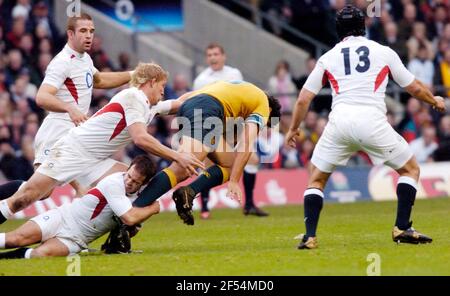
350	21
215	45
72	21
275	107
145	166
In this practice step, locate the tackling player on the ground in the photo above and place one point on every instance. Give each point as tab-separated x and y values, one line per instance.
358	70
69	228
89	146
66	93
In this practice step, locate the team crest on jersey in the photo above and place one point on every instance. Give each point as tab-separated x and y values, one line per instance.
89	79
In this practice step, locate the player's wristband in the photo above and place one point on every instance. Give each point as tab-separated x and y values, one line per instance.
164	107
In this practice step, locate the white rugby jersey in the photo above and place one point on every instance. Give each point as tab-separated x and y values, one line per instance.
106	131
209	76
72	73
91	215
358	69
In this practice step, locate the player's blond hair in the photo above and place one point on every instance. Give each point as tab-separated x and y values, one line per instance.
147	71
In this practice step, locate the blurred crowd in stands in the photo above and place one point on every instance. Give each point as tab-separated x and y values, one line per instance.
419	31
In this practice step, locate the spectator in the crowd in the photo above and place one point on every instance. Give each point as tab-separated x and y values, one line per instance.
26	48
442	47
408	126
440	18
307	148
281	85
30	88
392	40
124	61
6	107
442	153
15	65
419	39
180	86
16	129
217	70
40	16
2	41
406	24
38	73
13	36
424	146
318	129
45	46
310	63
422	67
309	124
41	32
98	55
3	84
21	9
443	73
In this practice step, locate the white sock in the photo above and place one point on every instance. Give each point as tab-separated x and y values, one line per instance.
2	240
313	191
4	209
28	253
251	168
407	180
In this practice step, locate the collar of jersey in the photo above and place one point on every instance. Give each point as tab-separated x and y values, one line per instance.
353	38
71	51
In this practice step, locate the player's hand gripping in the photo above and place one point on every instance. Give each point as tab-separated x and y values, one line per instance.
76	116
439	104
291	137
234	191
189	162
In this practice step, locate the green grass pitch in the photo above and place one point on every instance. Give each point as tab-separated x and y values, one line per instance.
232	244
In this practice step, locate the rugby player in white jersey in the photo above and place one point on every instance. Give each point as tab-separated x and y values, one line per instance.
357	70
122	121
69	228
66	93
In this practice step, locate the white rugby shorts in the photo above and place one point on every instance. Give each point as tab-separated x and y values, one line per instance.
355	128
67	161
54	225
51	130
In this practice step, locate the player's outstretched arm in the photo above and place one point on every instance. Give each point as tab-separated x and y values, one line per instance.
138	215
46	99
111	79
418	90
244	151
300	109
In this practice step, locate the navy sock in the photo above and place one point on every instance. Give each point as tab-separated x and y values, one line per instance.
204	198
212	177
313	203
15	254
2	218
9	188
158	185
406	195
249	186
